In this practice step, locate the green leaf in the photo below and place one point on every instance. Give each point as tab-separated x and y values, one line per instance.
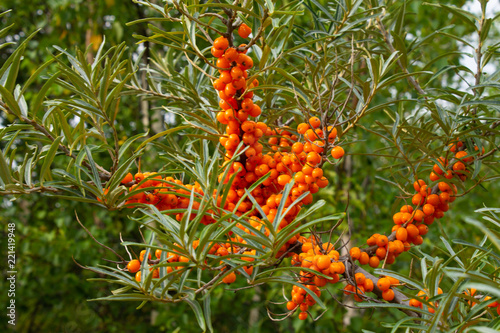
49	157
198	312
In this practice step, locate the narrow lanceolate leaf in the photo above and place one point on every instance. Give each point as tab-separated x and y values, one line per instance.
49	157
5	175
198	312
10	101
95	173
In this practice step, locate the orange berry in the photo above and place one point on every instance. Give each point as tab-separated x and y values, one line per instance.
231	54
417	185
384	284
433	199
221	43
244	30
401	234
433	177
412	230
406	209
355	252
133	266
423	229
284	179
364	258
230	278
388	295
303	315
323	262
236	73
302	128
138	276
417	199
315	122
337	152
428	209
142	254
291	306
382	241
374	262
360	278
128	178
216	52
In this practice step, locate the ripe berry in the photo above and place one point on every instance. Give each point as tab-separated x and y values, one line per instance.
337	152
244	31
384	284
388	295
133	266
221	43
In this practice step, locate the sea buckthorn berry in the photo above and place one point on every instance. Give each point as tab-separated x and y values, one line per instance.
412	230
388	295
317	146
401	234
244	61
225	76
337	152
230	278
458	166
138	276
433	199
317	173
303	315
291	306
417	185
315	122
223	63
128	178
133	266
302	128
368	285
216	52
221	43
323	262
364	258
247	104
444	197
433	177
231	54
374	262
333	133
236	73
142	254
284	179
406	209
382	241
428	209
423	229
384	284
297	147
311	135
139	177
255	111
313	158
355	253
360	278
244	30
417	199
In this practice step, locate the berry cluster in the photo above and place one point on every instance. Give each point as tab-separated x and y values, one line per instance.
288	156
323	259
412	221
